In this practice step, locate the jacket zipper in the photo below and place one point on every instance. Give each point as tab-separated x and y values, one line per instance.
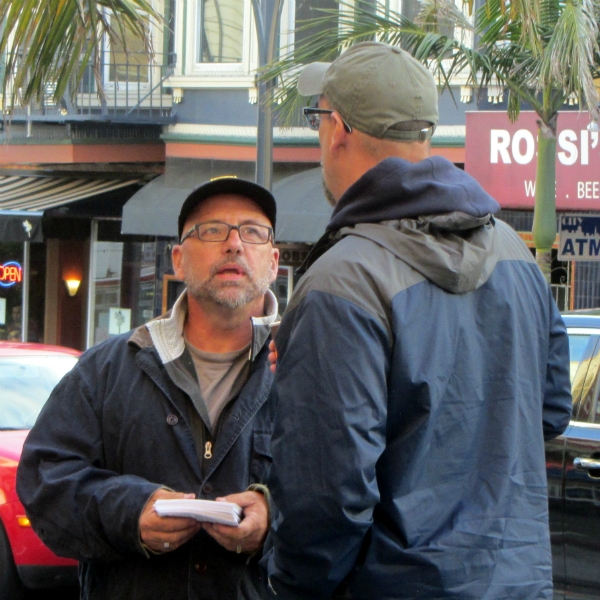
208	450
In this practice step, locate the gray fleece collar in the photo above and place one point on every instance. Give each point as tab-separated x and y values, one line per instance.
166	332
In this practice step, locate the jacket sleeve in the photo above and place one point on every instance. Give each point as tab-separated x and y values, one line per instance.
331	394
78	507
557	397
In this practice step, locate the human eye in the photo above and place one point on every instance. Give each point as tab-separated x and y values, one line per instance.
211	231
255	233
313	120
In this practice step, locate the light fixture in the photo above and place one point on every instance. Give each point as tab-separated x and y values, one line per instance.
72	286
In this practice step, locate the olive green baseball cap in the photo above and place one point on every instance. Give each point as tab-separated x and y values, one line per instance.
378	89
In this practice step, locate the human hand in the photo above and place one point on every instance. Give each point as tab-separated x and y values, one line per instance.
272	356
163	534
251	532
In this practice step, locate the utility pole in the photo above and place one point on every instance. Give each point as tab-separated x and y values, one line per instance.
266	15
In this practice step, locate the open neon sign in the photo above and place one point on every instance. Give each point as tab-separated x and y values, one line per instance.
11	273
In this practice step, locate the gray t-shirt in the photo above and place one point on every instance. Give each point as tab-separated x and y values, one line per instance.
221	376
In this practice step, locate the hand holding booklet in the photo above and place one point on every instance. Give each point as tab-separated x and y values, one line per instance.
226	513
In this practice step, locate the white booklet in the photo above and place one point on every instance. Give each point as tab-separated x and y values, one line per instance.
227	513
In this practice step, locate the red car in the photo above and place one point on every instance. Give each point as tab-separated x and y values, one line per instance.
28	373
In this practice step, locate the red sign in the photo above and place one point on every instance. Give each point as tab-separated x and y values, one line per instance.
10	273
502	156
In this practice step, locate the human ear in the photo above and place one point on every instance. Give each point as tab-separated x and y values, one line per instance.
274	264
177	260
339	135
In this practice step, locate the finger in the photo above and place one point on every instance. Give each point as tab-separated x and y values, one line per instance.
243	499
248	543
170	524
167	542
227	541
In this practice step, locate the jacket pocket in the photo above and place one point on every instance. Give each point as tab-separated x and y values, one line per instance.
261	456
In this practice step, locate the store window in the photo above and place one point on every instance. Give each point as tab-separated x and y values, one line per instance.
123	276
13	272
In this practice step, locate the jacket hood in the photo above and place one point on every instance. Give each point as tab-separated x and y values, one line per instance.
430	214
456	251
397	189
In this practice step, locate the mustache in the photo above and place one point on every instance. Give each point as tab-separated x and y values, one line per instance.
231	261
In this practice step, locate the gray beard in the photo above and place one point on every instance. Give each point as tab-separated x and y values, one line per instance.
328	195
219	293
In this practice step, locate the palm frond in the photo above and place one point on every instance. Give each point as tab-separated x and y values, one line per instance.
540	50
574	42
51	41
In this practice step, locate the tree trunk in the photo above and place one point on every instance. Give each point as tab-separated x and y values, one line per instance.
544	214
543	258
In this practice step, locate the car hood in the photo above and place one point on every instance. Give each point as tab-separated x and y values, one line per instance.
11	444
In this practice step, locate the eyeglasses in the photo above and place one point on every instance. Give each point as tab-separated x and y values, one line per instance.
217	231
313	117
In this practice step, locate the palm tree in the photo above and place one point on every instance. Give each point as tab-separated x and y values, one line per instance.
542	51
52	41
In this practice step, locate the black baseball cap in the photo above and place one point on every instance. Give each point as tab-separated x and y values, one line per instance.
228	184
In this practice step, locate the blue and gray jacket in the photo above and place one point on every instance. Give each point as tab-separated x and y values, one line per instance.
422	363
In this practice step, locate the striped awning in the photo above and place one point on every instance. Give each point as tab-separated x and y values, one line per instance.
41	193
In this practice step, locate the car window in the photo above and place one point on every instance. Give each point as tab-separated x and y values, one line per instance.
26	383
585	365
577	345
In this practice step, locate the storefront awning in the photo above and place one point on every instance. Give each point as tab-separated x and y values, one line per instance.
302	211
153	209
24	198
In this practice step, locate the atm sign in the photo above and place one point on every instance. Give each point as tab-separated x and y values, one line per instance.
10	274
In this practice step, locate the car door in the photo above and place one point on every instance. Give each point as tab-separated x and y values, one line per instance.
581	472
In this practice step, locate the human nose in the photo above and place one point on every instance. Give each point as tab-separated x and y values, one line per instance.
234	241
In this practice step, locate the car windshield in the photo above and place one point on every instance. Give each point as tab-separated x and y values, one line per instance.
26	383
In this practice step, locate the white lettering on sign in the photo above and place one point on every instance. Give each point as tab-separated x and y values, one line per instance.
585	154
570	153
573	146
588	189
523	135
529	188
499	141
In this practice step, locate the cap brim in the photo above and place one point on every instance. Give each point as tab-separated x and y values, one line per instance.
310	81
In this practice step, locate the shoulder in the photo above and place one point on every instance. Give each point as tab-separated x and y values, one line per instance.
356	270
103	361
511	246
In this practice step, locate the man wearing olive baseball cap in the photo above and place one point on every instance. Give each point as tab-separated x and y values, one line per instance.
422	363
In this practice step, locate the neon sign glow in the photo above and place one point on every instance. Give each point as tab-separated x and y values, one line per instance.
10	274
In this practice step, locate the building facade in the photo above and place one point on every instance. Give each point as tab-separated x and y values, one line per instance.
90	188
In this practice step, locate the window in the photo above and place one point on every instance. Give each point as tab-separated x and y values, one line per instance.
128	62
220	31
123	277
311	9
216	43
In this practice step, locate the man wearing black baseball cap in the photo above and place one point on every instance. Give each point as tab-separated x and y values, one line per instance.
177	409
422	363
